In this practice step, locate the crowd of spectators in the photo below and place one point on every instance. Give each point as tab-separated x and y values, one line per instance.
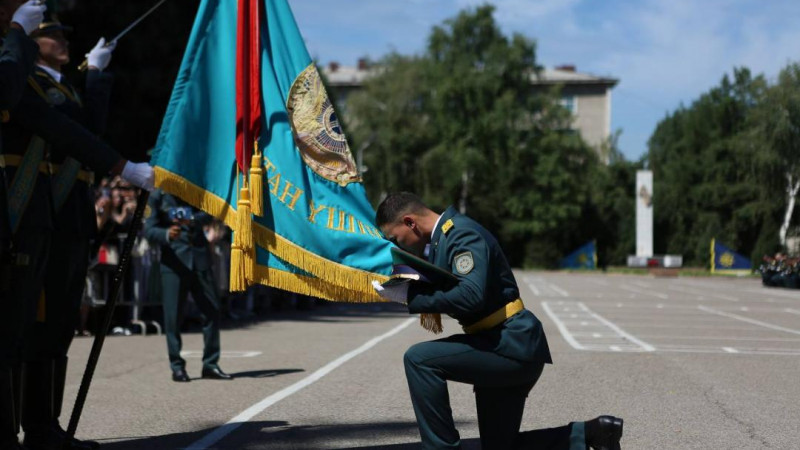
138	308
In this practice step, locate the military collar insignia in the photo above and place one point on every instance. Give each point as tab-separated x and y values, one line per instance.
447	226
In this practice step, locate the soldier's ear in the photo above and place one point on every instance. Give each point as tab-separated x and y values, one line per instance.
409	222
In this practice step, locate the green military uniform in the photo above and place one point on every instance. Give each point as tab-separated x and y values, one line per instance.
48	339
503	362
17	54
185	267
32	125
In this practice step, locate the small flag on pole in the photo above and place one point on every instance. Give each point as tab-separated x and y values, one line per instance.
726	261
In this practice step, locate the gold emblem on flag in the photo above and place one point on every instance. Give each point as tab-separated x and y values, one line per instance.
726	260
317	131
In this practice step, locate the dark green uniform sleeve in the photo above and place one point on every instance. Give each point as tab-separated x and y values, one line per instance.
97	97
467	296
154	230
34	114
17	55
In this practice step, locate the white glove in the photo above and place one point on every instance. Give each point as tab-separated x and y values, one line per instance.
397	293
139	174
100	55
29	15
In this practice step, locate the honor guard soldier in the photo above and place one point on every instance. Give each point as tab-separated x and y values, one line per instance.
47	341
185	267
28	129
17	56
503	349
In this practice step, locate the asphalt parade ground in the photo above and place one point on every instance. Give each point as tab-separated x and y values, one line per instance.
689	363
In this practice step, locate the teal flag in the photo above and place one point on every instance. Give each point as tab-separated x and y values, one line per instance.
723	259
584	257
317	233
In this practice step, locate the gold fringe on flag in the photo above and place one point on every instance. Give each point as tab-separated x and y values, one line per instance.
334	281
257	183
431	322
238	282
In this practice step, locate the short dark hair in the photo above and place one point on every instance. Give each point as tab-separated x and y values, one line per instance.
397	204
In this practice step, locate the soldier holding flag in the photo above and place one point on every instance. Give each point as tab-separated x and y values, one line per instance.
503	349
30	128
49	338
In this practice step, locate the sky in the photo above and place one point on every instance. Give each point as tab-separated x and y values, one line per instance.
664	53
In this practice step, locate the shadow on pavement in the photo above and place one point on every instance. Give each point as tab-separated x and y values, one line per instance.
264	373
280	435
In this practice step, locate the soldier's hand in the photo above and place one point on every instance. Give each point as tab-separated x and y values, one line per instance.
99	57
139	174
29	15
397	293
173	232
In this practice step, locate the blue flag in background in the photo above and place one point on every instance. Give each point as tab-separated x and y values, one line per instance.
725	259
583	258
316	235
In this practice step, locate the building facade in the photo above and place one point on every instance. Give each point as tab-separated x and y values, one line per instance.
587	97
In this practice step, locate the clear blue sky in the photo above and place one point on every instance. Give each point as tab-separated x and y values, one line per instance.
664	52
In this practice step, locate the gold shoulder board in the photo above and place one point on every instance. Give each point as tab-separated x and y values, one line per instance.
447	225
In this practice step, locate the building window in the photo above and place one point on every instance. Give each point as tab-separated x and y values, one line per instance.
570	103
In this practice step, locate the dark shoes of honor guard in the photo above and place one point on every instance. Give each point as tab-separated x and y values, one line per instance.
603	433
180	375
215	373
209	373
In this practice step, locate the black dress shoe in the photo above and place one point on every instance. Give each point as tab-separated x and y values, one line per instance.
180	375
215	373
75	443
603	433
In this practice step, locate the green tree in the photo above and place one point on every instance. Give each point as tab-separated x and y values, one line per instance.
461	125
713	175
777	123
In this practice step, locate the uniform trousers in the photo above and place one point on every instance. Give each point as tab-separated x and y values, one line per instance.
501	386
175	286
64	283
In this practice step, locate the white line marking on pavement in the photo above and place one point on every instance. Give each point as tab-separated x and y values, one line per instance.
225	354
562	328
615	348
700	294
559	290
730	350
793	311
645	346
222	431
771	291
748	320
533	288
639	291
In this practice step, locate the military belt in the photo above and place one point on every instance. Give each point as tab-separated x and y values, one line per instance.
496	318
15	160
87	176
45	167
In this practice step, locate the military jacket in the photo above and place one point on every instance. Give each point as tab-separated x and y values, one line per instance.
75	212
17	54
486	283
190	251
